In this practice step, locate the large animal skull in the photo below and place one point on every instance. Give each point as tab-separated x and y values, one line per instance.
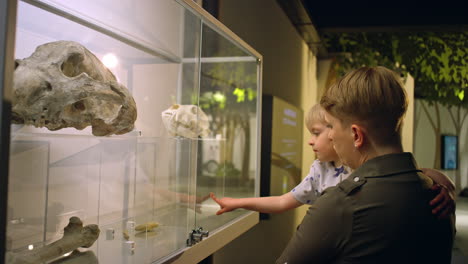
62	84
186	121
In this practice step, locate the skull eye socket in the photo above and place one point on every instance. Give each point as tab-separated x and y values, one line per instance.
73	65
79	106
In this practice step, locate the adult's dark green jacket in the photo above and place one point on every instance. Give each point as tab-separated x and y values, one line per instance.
379	214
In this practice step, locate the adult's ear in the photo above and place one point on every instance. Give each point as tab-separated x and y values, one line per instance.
359	135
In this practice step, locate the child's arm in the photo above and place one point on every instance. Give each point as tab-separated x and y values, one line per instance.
440	178
444	203
271	204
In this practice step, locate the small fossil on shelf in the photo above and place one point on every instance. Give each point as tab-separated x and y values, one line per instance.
187	121
146	227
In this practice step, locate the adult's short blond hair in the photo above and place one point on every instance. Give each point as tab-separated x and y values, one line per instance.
371	96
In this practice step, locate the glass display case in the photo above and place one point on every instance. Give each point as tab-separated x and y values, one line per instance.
196	88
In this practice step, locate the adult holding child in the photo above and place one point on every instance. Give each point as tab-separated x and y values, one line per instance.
381	212
326	171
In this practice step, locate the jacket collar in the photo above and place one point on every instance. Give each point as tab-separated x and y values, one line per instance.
387	165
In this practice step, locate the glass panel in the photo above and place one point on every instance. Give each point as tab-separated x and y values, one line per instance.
152	23
228	95
56	177
27	194
146	189
136	187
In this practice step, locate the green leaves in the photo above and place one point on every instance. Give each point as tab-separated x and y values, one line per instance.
437	61
461	95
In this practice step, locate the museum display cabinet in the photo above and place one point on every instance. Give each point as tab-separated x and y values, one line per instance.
124	117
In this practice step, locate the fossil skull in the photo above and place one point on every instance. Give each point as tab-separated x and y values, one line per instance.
62	84
186	120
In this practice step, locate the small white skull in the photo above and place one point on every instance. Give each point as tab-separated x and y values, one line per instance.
62	84
186	121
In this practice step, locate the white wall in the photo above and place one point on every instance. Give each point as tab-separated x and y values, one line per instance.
407	131
424	140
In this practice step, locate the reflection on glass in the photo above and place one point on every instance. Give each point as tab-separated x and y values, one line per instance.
146	177
228	94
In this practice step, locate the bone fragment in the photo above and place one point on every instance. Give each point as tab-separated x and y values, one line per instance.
147	227
125	235
75	236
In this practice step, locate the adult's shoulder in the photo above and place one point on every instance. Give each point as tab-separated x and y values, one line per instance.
337	200
330	219
331	198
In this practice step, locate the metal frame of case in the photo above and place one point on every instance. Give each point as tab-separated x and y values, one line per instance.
7	33
8	10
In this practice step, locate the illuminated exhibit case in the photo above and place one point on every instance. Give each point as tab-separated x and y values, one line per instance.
102	166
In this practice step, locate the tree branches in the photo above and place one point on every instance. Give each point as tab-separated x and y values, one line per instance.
437	61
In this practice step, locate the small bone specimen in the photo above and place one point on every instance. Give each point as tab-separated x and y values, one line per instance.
125	235
143	228
146	227
75	236
186	121
62	84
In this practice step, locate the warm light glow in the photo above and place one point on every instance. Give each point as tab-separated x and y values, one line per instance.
67	254
31	247
110	60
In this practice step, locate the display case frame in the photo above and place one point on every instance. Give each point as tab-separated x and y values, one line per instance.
219	236
7	33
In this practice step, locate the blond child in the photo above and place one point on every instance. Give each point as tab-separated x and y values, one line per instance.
326	171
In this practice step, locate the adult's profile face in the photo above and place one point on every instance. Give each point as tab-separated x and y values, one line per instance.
343	140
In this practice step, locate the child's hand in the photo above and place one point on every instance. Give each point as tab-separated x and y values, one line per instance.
444	203
192	201
224	203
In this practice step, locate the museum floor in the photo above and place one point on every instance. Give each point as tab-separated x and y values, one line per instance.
460	251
